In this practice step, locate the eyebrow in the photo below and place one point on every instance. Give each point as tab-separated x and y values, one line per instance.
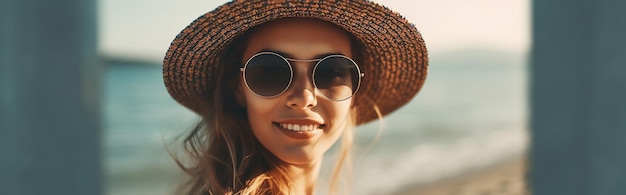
287	55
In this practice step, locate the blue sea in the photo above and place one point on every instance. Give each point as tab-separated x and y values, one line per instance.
471	113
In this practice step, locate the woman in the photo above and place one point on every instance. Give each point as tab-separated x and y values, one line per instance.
277	83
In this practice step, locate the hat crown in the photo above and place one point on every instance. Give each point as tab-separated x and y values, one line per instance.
394	54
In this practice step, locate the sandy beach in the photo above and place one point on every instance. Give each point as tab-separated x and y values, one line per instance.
506	178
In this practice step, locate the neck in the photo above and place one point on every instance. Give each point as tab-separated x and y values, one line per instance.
303	177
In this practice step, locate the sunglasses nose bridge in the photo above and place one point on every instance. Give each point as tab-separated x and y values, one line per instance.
301	92
302	75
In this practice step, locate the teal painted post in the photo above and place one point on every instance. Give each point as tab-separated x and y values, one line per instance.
578	97
49	98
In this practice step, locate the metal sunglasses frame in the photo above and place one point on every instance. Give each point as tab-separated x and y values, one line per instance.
288	60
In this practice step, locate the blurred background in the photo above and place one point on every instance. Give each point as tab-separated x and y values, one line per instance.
83	101
470	114
83	109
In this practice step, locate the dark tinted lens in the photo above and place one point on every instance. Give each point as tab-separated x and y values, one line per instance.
267	74
336	77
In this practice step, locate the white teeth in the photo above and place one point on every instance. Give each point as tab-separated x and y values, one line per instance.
298	127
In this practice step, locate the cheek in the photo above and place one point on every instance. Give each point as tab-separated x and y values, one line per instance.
259	110
255	107
260	113
338	111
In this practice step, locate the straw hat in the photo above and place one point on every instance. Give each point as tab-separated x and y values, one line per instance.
395	56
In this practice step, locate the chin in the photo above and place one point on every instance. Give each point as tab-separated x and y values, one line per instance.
300	159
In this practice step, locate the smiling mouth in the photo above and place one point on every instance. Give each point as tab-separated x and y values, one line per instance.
300	127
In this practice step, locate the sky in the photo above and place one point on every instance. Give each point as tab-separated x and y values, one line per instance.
143	29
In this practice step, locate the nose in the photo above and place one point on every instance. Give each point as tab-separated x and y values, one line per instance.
301	94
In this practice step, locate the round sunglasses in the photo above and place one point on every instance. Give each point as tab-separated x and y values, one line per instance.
335	77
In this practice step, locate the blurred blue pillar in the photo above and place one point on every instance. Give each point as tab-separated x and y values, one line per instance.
578	99
49	104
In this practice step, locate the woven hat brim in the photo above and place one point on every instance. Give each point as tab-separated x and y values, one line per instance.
395	59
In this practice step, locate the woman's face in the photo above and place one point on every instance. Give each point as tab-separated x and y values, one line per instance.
301	104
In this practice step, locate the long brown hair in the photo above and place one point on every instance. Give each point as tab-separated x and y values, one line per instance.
224	155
